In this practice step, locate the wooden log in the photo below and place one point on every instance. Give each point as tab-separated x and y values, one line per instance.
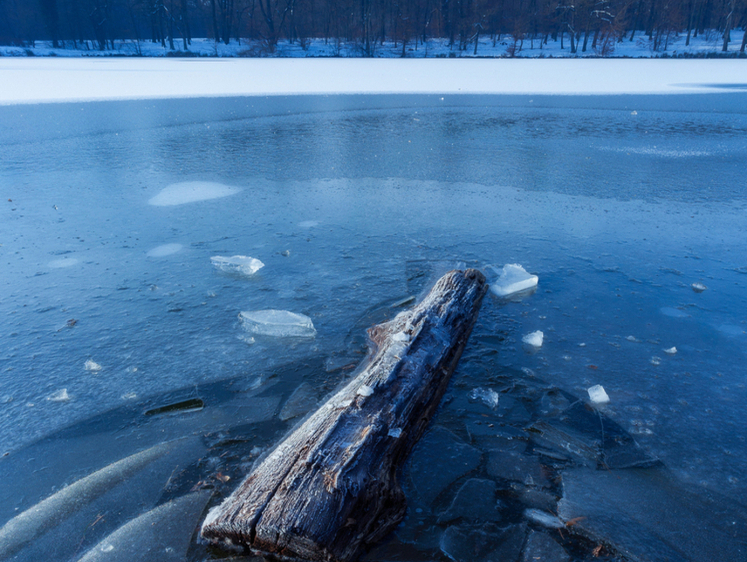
330	488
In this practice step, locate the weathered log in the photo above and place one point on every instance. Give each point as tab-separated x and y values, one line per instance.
330	488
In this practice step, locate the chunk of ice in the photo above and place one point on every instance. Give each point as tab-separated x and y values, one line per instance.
671	351
242	265
487	396
191	192
92	366
656	360
698	287
543	518
395	432
512	279
164	250
401	336
534	339
59	396
308	224
279	323
598	395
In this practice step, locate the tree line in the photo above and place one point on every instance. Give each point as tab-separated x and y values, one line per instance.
581	24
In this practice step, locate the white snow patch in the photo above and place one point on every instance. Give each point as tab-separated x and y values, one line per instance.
401	337
243	265
535	339
191	192
278	323
513	278
597	394
164	250
92	366
64	262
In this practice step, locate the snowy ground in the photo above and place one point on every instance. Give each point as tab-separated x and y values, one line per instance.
710	42
34	80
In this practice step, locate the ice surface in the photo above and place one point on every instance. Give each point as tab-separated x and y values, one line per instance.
62	263
91	365
191	192
513	278
365	390
487	396
597	394
242	265
279	323
164	250
534	339
308	224
698	287
302	400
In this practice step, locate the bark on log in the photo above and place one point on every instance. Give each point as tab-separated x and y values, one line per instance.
330	488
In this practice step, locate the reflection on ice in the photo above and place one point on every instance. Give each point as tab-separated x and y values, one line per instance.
191	192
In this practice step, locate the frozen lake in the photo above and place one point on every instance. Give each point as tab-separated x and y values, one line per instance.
112	211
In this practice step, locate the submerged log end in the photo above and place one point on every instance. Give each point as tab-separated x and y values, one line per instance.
330	488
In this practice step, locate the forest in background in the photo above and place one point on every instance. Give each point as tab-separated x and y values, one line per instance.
582	24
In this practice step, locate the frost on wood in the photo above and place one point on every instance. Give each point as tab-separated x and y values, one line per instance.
278	323
331	486
512	279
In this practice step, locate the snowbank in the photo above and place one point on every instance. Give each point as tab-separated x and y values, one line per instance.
35	80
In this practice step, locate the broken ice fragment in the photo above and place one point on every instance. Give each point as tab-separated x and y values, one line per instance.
632	338
59	396
279	323
698	287
598	395
395	432
241	265
543	518
92	366
534	339
656	360
671	351
487	396
512	279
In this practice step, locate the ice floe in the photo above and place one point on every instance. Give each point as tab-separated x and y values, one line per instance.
671	351
164	250
698	287
59	396
191	192
513	278
279	323
242	265
92	366
535	339
597	394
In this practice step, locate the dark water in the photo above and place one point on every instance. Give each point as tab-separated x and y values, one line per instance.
618	204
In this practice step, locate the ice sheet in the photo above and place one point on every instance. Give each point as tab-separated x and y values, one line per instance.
242	265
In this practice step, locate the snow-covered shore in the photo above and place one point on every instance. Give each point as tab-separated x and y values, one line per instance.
705	44
37	80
